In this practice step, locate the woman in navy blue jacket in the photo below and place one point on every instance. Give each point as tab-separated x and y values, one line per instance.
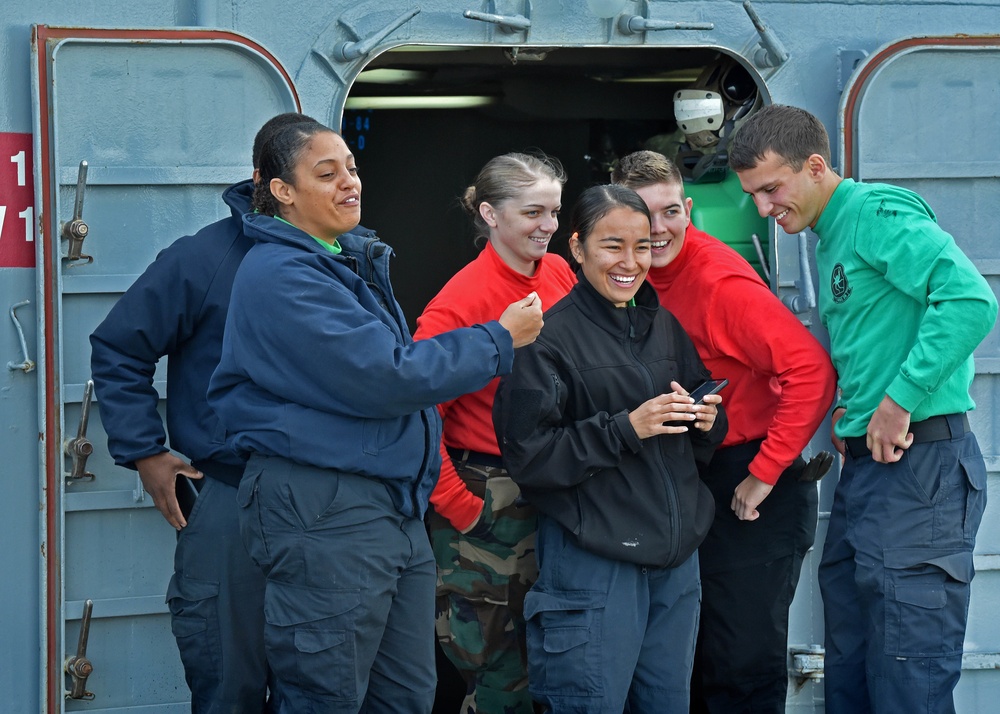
322	387
597	428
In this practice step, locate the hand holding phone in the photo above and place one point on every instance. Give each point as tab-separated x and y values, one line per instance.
712	386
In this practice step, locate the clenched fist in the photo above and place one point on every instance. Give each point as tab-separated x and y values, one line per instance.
523	319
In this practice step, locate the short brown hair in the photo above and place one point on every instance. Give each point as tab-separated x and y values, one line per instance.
791	133
646	168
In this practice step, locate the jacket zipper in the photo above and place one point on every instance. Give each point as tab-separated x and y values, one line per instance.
374	285
373	271
670	488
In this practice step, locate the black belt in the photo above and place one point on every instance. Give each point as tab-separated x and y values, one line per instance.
935	428
227	473
464	456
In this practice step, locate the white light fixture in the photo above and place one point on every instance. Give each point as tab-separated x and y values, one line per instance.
452	102
391	76
684	76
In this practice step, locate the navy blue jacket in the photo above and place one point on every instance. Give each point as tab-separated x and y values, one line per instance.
176	308
319	367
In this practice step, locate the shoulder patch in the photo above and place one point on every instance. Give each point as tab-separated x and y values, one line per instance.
839	286
525	407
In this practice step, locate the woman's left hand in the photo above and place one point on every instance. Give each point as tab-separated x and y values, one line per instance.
705	413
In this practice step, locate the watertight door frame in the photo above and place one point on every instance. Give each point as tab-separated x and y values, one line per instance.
128	99
921	113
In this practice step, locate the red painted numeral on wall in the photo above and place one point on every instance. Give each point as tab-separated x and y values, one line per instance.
17	196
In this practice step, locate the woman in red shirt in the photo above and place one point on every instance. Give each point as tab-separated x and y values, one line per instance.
482	533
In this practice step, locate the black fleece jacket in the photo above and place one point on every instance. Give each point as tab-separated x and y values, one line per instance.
561	419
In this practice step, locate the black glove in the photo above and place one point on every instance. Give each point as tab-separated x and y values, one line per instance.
817	467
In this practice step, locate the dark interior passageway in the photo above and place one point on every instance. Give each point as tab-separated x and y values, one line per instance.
423	120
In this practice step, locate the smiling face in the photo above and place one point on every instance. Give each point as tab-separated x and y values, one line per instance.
522	225
795	199
671	214
325	199
615	257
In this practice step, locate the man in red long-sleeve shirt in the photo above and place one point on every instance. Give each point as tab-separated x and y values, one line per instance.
781	386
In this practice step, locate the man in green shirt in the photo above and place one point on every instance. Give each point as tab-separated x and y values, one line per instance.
905	308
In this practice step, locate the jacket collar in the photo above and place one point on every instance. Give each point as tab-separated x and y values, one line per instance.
267	229
617	321
239	197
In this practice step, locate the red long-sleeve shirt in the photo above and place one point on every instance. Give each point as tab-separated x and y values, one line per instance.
479	293
781	380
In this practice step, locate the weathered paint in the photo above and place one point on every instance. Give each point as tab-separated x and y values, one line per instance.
65	544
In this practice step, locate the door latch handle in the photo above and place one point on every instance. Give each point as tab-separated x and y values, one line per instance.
78	667
76	229
80	448
770	52
350	51
508	24
636	24
28	364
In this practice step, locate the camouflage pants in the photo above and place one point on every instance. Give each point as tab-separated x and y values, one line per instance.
480	594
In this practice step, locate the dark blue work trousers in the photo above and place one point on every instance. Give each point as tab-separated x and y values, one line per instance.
349	600
749	572
605	635
216	599
895	577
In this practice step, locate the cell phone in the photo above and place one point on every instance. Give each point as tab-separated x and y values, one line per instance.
712	386
187	494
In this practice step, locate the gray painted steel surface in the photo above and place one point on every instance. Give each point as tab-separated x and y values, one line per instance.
165	114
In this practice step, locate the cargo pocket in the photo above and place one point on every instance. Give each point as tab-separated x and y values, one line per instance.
251	531
975	502
194	621
926	601
565	644
310	638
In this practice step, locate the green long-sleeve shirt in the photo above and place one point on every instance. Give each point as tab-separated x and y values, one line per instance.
903	305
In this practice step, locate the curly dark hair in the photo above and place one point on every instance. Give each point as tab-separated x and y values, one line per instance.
278	155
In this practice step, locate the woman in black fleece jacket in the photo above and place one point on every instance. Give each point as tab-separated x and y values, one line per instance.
597	429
